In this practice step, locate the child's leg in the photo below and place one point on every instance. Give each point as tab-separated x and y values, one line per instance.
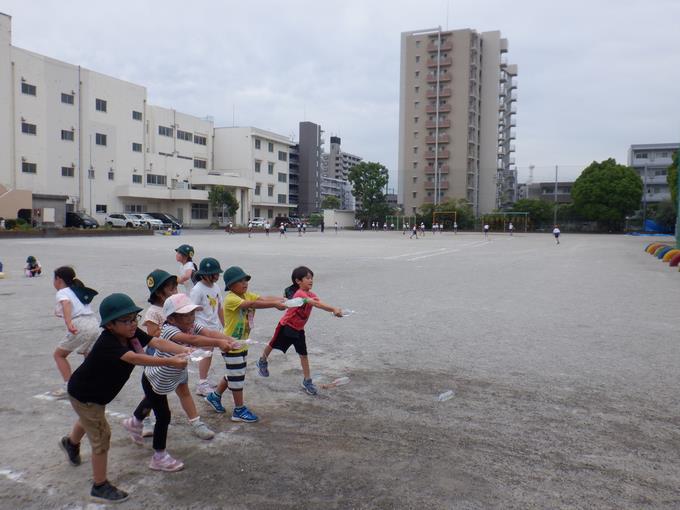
266	352
203	368
186	401
62	363
77	433
159	404
304	362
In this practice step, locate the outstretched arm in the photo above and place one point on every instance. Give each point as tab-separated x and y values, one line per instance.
320	304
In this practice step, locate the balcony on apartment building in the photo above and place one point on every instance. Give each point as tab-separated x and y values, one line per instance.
441	62
442	185
513	84
445	46
429	170
433	78
179	191
432	124
439	155
442	139
443	108
431	94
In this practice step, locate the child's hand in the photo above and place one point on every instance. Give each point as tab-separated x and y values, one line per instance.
178	361
337	312
228	345
280	306
71	328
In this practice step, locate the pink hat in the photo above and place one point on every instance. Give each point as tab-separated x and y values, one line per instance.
179	303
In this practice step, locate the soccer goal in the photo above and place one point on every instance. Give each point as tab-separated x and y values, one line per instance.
445	219
400	222
500	221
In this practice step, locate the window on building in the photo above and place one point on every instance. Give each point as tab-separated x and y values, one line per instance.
184	135
415	135
256	210
641	155
258	143
165	131
415	120
415	179
200	140
417	73
67	135
136	147
270	147
270	168
29	129
270	191
282	199
270	213
27	88
417	58
416	89
414	194
100	139
100	208
200	163
257	166
29	168
135	208
283	156
415	165
136	179
663	155
90	173
100	105
136	115
416	104
199	211
415	150
283	177
68	171
158	180
258	186
111	174
67	98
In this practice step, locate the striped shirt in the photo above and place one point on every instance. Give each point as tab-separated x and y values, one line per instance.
164	379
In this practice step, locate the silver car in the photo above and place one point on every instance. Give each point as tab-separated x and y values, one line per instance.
121	220
148	221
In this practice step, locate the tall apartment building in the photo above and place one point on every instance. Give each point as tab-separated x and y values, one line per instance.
310	152
336	162
456	118
75	139
294	178
264	156
651	161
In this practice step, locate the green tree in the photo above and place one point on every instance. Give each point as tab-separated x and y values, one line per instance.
330	202
672	180
464	214
368	181
221	199
540	211
664	214
607	192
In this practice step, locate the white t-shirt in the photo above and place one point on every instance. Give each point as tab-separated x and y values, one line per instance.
77	308
211	301
486	227
154	314
188	285
510	226
556	230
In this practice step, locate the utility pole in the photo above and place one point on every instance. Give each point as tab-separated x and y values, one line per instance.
644	200
555	204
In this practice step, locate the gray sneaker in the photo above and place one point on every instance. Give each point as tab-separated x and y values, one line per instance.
72	450
202	430
309	387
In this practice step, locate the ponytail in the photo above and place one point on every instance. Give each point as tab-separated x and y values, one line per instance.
67	274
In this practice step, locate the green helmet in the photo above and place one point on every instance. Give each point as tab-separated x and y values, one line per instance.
115	306
156	280
186	250
232	275
30	259
208	266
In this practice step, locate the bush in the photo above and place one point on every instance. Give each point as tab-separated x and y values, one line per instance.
10	224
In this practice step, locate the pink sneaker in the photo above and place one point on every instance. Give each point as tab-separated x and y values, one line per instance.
165	463
134	428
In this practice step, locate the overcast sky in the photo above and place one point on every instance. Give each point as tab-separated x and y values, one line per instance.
594	76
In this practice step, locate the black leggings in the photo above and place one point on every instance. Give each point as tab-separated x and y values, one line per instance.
159	405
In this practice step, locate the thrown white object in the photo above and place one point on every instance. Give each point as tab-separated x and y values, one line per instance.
346	312
199	354
340	381
295	302
447	395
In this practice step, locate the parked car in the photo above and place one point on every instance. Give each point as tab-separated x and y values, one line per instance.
258	222
168	220
148	221
80	220
122	220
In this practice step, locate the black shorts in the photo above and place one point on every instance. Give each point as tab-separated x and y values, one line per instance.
285	336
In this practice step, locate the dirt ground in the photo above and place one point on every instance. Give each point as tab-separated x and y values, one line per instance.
564	363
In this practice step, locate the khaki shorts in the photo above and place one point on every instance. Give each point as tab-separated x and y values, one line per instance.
92	417
88	332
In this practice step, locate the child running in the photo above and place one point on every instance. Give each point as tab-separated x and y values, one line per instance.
73	305
206	294
185	256
239	314
159	381
101	376
291	327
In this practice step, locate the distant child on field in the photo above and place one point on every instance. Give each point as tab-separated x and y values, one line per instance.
291	327
185	256
486	231
73	305
239	314
32	267
207	295
159	381
556	233
101	376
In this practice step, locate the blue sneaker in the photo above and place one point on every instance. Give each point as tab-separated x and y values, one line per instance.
262	367
309	387
243	414
215	402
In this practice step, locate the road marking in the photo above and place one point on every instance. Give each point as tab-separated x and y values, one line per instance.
446	252
393	257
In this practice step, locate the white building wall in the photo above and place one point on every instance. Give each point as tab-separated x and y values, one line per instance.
6	117
488	128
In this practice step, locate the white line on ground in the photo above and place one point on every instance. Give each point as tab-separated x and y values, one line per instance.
11	475
393	257
470	245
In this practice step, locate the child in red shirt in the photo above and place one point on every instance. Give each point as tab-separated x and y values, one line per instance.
291	327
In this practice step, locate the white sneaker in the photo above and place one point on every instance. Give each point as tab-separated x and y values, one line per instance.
204	389
147	427
202	430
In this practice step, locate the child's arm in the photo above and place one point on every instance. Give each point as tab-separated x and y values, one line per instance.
135	358
207	338
152	329
264	302
220	315
181	278
319	304
66	308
